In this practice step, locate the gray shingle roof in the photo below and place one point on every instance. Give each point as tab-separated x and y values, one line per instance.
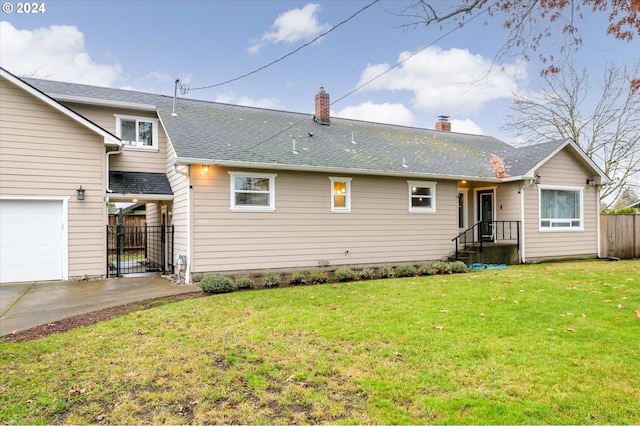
139	183
211	132
522	160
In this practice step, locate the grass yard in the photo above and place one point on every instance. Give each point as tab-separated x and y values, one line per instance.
556	343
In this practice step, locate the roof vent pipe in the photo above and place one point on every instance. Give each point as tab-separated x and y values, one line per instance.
175	95
443	123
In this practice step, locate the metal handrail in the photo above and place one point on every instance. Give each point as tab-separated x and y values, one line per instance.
501	230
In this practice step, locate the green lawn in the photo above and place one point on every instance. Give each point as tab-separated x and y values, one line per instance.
533	344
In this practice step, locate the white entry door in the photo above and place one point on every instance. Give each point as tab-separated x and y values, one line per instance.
31	240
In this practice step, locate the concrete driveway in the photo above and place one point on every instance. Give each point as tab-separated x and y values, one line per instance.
27	305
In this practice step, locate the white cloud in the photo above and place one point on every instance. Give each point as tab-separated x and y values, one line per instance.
231	98
379	113
292	26
56	52
466	126
452	82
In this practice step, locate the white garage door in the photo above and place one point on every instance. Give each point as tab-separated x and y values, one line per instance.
31	240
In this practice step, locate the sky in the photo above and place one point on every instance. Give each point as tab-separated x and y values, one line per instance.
146	45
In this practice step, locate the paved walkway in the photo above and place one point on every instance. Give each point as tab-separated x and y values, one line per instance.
27	305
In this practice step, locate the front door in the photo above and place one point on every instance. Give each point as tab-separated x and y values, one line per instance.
485	214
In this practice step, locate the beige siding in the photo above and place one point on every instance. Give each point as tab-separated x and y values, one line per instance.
131	159
508	201
302	232
561	170
180	206
45	153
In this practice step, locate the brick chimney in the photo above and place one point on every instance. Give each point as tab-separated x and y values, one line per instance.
443	123
322	114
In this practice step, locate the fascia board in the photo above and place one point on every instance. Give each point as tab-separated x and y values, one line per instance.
299	168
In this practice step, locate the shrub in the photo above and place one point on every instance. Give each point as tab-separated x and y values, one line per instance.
272	280
426	269
406	270
345	274
243	282
458	267
298	278
366	274
441	267
216	284
386	272
317	277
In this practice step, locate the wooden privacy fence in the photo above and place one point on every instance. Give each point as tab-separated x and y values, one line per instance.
619	235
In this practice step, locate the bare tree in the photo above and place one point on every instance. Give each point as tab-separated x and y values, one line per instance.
530	23
604	120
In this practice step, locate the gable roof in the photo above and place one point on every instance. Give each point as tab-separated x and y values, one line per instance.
524	161
109	138
204	132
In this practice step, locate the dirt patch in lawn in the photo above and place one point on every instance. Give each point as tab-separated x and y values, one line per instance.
95	317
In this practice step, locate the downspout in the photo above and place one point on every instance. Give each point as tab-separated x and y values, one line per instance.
523	257
598	220
187	265
118	151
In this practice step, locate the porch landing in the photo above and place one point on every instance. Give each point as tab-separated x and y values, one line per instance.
491	253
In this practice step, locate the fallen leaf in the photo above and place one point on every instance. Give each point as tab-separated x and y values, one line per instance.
438	327
444	311
607	301
570	329
619	306
638	313
101	417
333	308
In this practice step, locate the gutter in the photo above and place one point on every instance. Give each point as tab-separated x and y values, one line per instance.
318	169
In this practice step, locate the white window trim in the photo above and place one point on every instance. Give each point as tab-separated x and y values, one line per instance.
272	192
560	229
347	207
465	207
422	184
154	127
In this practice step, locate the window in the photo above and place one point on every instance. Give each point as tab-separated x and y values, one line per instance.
138	132
340	195
422	197
560	208
252	191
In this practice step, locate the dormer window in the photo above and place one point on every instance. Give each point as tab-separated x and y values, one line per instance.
137	132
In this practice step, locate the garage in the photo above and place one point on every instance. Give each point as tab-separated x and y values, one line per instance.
32	240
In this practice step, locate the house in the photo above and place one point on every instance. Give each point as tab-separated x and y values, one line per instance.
250	189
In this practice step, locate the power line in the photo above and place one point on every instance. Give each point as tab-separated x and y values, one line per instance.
290	53
371	80
406	59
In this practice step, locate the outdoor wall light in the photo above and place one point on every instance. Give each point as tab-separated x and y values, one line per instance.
80	192
591	181
537	179
205	168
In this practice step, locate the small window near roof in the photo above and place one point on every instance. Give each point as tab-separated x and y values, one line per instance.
340	194
422	197
137	132
252	191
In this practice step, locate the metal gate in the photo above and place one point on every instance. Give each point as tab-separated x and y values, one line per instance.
139	249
